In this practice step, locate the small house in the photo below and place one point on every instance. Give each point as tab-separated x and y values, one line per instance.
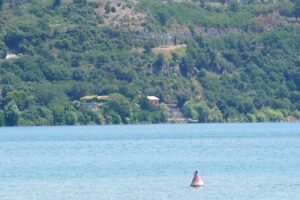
92	102
91	106
153	100
11	56
94	98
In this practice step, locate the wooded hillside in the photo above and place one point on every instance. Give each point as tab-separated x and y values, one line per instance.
217	61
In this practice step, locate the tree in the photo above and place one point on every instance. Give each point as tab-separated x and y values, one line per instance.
56	3
16	3
46	114
148	46
297	9
146	105
113	9
71	118
120	105
112	117
22	99
12	114
203	111
58	112
287	9
159	63
189	110
55	73
1	4
107	8
14	38
102	59
77	91
162	18
233	5
75	61
186	66
80	1
44	95
1	118
216	115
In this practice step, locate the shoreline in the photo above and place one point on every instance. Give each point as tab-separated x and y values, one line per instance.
153	124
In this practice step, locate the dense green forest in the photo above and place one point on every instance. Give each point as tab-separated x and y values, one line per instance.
217	61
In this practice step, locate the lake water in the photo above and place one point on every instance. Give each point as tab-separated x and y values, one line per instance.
151	162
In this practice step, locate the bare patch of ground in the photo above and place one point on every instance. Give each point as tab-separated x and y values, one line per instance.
122	13
168	49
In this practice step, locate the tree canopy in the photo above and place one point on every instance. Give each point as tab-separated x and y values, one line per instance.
83	62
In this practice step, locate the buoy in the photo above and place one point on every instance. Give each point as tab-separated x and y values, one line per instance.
197	181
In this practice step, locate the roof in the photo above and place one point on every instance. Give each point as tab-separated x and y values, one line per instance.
94	97
102	97
153	98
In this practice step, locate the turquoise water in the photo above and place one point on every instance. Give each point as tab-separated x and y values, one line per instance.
236	162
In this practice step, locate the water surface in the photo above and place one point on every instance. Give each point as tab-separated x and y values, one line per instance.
236	161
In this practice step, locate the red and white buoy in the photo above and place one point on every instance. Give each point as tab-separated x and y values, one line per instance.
197	181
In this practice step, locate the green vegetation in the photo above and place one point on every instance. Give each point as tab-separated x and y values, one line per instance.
297	9
1	4
241	62
166	14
